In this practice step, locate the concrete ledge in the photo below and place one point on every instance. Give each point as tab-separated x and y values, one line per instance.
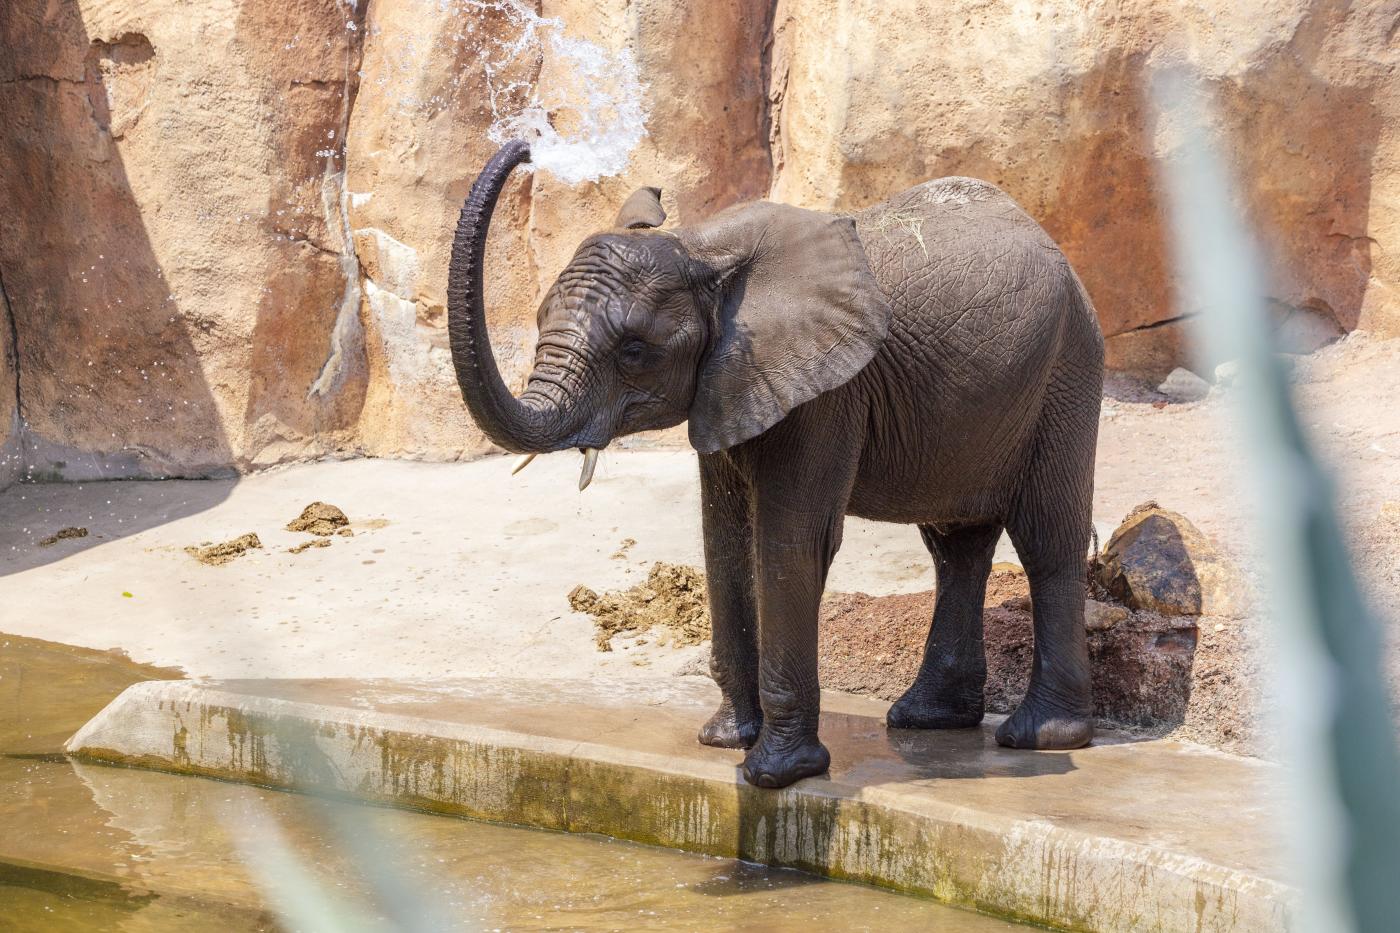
1121	836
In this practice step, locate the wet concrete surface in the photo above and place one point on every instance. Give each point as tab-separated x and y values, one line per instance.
1121	835
89	847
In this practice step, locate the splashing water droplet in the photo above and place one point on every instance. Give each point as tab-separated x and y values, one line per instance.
583	122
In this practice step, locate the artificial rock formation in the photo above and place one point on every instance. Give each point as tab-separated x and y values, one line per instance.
228	224
1051	101
173	243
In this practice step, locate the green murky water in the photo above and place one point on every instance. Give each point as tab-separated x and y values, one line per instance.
86	848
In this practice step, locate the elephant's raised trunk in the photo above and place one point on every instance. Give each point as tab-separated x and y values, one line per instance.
506	420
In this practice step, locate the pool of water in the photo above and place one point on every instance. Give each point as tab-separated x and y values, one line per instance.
87	847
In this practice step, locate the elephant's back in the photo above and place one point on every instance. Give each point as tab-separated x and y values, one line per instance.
984	306
955	226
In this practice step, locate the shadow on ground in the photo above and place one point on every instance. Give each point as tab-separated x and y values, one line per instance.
31	513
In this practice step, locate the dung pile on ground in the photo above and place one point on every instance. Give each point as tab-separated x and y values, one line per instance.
671	601
224	551
73	531
320	518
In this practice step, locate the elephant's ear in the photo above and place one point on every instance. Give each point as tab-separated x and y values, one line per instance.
800	315
642	209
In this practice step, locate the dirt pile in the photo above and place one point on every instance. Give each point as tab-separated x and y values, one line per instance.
216	554
314	542
1193	677
671	603
320	518
1153	674
72	531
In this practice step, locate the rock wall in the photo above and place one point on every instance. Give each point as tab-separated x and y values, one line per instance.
11	460
174	244
228	223
1049	101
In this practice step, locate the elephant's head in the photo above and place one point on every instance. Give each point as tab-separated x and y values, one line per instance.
731	324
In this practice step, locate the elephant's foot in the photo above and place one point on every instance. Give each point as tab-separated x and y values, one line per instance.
728	729
779	761
1041	724
936	707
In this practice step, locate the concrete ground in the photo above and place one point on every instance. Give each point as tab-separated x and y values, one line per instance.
89	847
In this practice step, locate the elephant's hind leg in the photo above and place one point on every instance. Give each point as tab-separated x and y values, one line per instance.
948	691
1050	524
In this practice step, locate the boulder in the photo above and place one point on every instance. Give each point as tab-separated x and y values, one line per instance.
1158	561
1184	386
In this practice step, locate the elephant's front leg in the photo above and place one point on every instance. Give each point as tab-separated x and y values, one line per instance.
798	516
726	501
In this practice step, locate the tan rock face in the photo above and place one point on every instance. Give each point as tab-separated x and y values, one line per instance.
1048	101
417	138
172	249
229	223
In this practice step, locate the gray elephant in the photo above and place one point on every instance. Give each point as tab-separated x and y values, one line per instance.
931	360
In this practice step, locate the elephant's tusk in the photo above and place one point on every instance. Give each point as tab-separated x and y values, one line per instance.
590	460
522	463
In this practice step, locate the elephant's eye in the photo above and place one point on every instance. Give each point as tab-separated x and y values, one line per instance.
633	352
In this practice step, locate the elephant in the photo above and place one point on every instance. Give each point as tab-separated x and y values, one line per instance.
931	360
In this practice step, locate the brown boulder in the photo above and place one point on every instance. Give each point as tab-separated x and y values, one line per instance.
1158	561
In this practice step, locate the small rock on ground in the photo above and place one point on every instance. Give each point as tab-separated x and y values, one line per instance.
1184	385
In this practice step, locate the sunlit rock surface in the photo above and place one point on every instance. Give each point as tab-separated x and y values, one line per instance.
1049	100
173	237
228	224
